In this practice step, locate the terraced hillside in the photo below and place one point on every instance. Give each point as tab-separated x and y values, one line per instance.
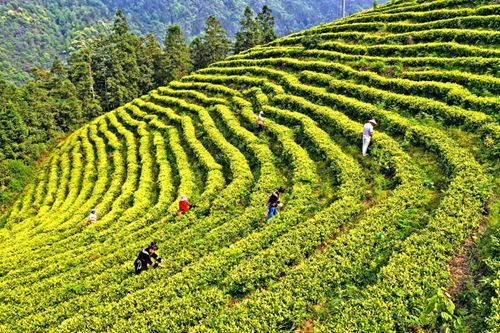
362	244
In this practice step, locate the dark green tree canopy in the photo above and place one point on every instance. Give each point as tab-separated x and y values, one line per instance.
197	53
250	33
213	46
120	26
265	20
43	29
177	56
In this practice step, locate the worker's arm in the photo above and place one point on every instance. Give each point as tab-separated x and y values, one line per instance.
157	259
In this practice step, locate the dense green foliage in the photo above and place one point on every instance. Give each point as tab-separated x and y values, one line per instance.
213	46
362	244
250	34
34	32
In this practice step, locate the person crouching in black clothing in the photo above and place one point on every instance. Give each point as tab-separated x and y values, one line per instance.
143	260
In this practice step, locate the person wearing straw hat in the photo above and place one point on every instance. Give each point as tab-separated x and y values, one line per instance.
367	134
184	205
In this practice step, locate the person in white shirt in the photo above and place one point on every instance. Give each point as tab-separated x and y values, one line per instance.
93	216
260	122
367	135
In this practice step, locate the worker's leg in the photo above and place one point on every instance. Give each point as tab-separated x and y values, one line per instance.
366	142
271	212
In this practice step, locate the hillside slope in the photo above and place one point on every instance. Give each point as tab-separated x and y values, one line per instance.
361	244
34	32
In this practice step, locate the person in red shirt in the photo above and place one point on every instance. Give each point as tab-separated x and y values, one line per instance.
184	205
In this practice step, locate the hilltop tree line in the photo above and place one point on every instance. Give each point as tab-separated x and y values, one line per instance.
111	71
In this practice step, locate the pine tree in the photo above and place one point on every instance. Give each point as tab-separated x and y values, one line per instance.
158	61
214	45
13	127
197	55
67	107
250	33
120	27
115	65
217	44
58	72
177	55
266	24
38	111
101	69
147	52
80	74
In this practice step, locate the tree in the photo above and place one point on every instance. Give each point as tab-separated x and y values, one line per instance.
266	24
36	108
58	72
250	33
120	27
101	69
68	108
177	55
197	53
115	65
214	45
81	75
148	53
13	128
217	44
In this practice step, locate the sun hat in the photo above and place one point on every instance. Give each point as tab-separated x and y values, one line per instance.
184	198
372	121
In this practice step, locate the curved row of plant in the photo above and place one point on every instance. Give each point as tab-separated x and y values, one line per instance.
165	320
452	156
353	134
203	262
453	94
102	264
475	65
463	36
487	22
290	81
